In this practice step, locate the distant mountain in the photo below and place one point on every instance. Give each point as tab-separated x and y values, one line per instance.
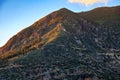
65	45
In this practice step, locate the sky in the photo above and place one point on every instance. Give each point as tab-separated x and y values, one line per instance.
16	15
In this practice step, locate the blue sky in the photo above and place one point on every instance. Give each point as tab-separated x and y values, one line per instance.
16	15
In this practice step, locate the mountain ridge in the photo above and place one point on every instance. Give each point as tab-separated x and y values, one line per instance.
63	10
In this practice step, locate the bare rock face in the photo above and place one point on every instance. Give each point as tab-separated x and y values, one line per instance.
65	46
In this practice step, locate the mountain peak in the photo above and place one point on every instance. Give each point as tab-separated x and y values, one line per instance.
64	10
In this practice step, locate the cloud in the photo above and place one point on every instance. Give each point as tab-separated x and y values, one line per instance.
88	2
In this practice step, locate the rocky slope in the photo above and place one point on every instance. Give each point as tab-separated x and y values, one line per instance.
65	45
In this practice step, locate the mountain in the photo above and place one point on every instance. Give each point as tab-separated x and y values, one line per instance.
65	45
102	15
